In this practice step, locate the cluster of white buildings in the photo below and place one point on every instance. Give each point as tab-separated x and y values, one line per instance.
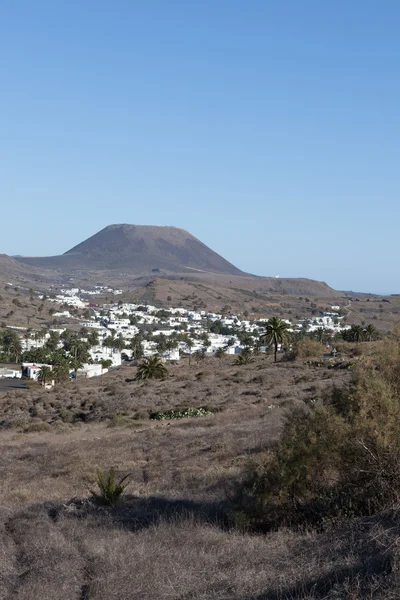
330	321
123	321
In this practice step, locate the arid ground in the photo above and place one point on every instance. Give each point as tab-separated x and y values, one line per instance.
172	535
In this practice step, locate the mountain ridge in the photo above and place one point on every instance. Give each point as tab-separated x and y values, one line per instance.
124	255
140	249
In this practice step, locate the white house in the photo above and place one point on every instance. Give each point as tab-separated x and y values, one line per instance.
32	369
98	353
92	370
171	355
10	372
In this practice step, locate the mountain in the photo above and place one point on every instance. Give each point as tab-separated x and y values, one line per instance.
139	249
13	270
167	262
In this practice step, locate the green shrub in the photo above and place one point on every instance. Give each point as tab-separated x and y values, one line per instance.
110	490
337	459
244	359
120	420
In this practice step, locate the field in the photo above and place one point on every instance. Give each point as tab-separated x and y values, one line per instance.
173	535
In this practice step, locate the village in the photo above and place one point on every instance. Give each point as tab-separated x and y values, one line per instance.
113	334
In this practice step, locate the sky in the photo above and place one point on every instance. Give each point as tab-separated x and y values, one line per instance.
269	130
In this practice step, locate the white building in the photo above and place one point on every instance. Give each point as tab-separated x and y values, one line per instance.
32	369
89	371
10	372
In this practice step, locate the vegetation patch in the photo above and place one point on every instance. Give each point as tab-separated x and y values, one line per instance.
110	489
181	413
337	459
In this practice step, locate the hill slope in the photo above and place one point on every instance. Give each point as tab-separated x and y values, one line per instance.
12	269
139	249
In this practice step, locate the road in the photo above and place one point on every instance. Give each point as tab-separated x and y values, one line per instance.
12	384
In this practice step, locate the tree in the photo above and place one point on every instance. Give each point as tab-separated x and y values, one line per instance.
106	364
276	332
189	345
66	337
39	355
204	338
119	343
246	339
75	365
200	354
108	342
355	334
45	374
79	351
61	372
39	335
27	337
53	341
93	338
220	352
151	368
136	346
370	331
10	345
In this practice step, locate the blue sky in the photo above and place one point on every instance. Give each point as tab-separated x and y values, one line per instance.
269	130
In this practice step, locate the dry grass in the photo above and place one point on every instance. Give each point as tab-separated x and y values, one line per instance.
261	386
171	537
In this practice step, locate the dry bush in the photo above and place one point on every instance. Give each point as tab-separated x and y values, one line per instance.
307	348
335	460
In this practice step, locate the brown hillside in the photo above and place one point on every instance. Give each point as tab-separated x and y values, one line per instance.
12	269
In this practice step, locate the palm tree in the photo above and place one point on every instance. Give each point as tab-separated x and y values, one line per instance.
11	345
370	331
357	333
220	352
93	338
79	351
276	332
108	342
200	354
136	346
39	335
151	368
189	344
44	375
61	372
53	341
27	337
119	343
75	365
